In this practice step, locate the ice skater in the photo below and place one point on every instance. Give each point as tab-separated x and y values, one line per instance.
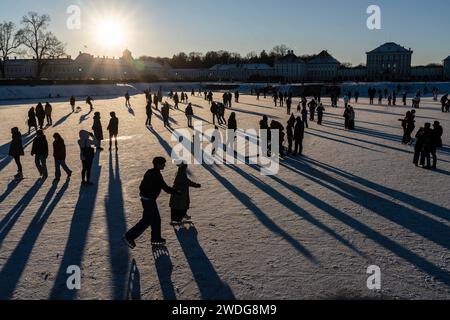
72	103
87	154
16	151
150	189
32	120
98	130
39	149
89	102
127	100
59	154
40	115
189	114
48	113
113	129
180	202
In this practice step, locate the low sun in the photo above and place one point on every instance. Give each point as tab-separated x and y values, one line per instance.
110	33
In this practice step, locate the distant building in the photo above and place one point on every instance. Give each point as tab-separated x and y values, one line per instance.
322	67
85	67
427	73
447	68
389	62
358	73
290	68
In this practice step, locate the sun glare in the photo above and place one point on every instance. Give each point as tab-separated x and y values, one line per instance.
110	33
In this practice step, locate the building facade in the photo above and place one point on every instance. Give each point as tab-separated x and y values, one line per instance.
389	62
86	67
447	68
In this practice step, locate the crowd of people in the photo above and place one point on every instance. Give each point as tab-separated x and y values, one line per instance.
428	140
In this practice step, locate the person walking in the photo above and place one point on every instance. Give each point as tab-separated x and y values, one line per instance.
214	112
180	203
40	115
299	133
346	116
232	123
87	154
305	116
221	113
98	130
127	100
288	105
165	111
320	111
290	133
48	113
176	100
428	146
39	149
150	189
351	118
189	112
16	151
89	102
32	120
155	101
59	154
113	128
444	100
72	103
149	113
312	109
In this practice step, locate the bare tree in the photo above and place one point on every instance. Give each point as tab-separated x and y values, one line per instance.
41	43
280	50
9	43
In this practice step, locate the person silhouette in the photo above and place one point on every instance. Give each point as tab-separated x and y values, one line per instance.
150	189
16	150
113	128
179	203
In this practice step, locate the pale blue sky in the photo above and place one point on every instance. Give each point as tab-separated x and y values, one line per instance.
166	27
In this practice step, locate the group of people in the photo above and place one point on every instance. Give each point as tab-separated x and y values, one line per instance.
150	189
40	113
428	140
40	149
445	102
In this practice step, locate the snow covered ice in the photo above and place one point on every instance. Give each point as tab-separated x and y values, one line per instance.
353	200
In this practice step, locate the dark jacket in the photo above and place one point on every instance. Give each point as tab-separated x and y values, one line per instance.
152	184
97	128
48	109
32	118
40	146
59	150
299	131
16	147
189	111
437	137
232	123
113	126
40	113
148	110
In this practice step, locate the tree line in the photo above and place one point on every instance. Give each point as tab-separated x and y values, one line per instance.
32	38
211	58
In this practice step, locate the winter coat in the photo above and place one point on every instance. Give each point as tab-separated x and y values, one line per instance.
97	128
113	126
32	118
189	111
148	110
85	142
59	150
40	146
48	109
40	113
16	147
299	131
182	184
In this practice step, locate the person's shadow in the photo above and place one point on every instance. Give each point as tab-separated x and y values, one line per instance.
208	281
84	117
164	268
134	283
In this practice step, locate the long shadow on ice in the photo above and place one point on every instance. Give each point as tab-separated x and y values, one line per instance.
62	120
164	268
260	215
208	281
12	271
10	218
78	234
116	226
400	215
134	282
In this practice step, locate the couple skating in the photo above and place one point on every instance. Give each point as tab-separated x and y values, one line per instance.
150	189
